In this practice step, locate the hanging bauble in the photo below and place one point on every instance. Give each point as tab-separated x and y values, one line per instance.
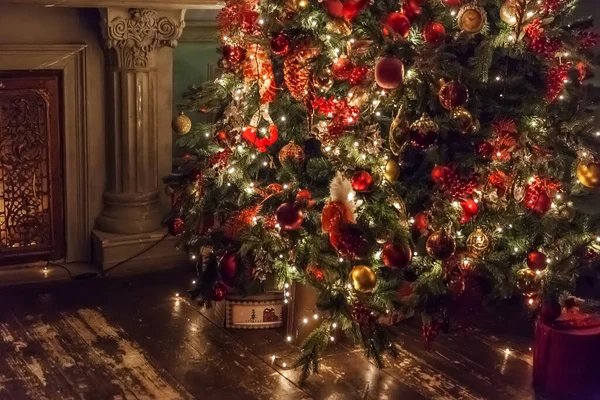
234	54
349	240
470	206
289	216
361	181
412	8
315	272
453	94
509	13
440	245
333	215
421	221
339	27
291	152
589	174
464	121
396	23
304	198
479	242
352	8
342	68
335	8
392	171
181	124
485	150
424	132
219	292
538	203
322	80
452	3
536	261
176	226
363	278
525	282
389	72
439	174
228	267
396	255
434	33
280	44
472	18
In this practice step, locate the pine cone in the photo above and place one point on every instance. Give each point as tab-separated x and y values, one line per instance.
296	76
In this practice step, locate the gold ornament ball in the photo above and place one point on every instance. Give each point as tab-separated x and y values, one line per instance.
526	283
181	124
463	120
293	152
478	242
472	18
392	171
440	245
589	174
322	80
508	13
363	278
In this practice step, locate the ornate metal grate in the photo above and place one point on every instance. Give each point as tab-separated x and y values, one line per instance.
31	196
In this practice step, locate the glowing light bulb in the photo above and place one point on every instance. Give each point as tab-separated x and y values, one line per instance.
334	325
283	118
305	320
331	338
315	316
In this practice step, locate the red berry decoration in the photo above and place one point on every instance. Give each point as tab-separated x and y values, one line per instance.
228	268
440	174
219	292
342	68
434	33
453	94
357	75
421	223
389	73
176	226
536	261
361	181
485	150
397	23
396	255
234	54
280	44
289	216
304	198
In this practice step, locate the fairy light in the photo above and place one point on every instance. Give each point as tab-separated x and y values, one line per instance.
287	285
530	301
285	186
341	259
334	325
328	148
455	203
548	260
331	338
176	294
377	113
265	163
516	249
231	170
411	220
511	38
507	351
302	3
289	338
498	78
305	320
316	316
597	133
253	156
282	118
363	156
561	97
261	21
378	254
415	254
349	286
355	144
453	13
193	256
499	229
206	134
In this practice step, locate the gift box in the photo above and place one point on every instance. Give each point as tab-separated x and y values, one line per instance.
566	356
262	311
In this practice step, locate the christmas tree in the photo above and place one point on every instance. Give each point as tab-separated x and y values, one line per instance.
357	146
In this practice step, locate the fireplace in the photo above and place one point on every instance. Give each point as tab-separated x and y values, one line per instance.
31	178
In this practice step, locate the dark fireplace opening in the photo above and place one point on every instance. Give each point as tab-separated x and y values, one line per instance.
32	224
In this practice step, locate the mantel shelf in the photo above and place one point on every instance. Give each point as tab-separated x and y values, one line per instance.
155	4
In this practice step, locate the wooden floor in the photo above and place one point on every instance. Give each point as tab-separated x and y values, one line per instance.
129	338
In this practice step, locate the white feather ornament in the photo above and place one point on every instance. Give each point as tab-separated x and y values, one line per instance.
340	189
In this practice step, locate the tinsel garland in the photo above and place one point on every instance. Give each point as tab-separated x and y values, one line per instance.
540	43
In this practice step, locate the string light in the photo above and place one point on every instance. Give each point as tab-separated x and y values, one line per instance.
331	338
341	259
507	351
305	320
315	316
334	325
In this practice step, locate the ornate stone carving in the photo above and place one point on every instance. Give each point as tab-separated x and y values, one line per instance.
137	35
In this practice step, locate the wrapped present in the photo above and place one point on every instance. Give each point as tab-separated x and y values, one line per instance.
566	355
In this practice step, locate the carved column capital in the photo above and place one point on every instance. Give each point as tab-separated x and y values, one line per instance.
133	34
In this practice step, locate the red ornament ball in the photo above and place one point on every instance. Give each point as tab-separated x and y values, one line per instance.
434	33
228	267
234	54
485	150
412	8
541	205
361	181
342	68
176	226
335	8
440	245
389	73
349	240
289	216
421	221
396	255
439	174
280	44
398	23
536	261
470	206
304	198
452	3
453	94
219	292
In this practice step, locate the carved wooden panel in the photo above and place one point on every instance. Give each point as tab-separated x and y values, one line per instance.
31	179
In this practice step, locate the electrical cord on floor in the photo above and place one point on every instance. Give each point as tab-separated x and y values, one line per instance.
89	275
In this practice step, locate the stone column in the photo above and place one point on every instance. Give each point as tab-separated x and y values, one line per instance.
139	149
133	38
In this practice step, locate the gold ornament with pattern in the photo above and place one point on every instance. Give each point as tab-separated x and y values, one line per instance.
181	124
509	13
465	122
292	152
479	242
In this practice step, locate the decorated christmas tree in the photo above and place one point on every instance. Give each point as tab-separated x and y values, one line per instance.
359	147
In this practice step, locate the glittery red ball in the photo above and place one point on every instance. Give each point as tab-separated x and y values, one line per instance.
396	255
289	216
357	75
228	268
304	198
453	94
421	221
536	261
541	205
234	54
219	292
434	33
361	181
470	206
280	44
485	149
342	68
439	174
335	8
396	22
389	72
176	226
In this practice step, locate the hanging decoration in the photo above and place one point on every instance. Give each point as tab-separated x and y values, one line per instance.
389	73
588	174
505	139
361	181
340	208
322	80
292	152
315	272
540	43
280	44
251	132
289	216
181	124
399	132
440	245
348	239
526	283
424	132
228	268
176	226
479	242
556	79
472	18
453	94
538	194
363	278
396	255
297	71
341	113
536	261
392	171
470	209
259	68
464	122
240	220
509	13
434	33
304	199
396	24
219	292
450	180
